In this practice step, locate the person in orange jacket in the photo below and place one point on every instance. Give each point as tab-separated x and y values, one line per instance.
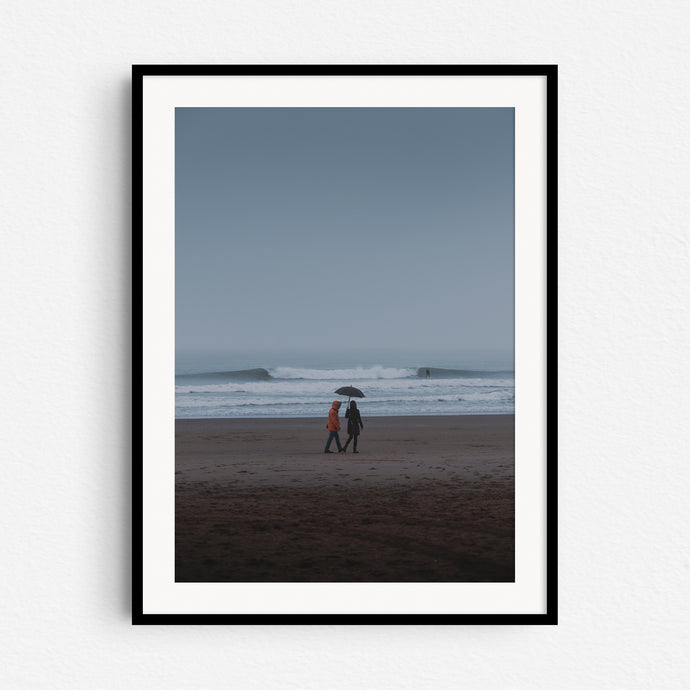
333	427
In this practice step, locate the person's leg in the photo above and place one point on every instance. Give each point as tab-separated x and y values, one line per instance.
347	443
337	442
331	434
354	444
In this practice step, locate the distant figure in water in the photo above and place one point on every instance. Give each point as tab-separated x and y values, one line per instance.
354	422
428	374
333	427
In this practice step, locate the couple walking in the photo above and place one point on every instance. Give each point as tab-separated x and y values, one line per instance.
354	422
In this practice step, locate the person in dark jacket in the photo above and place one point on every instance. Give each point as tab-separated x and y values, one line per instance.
333	427
354	423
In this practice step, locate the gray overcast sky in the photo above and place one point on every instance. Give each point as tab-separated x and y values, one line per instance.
313	227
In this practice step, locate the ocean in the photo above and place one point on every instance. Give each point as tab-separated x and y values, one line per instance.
302	384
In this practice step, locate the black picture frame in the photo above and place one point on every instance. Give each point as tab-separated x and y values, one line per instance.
140	614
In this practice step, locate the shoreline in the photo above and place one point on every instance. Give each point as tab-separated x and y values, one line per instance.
343	407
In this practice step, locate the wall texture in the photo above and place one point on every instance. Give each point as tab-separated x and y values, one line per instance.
624	382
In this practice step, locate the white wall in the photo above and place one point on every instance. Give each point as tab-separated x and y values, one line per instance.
65	298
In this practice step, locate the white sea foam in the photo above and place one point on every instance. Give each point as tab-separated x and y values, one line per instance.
346	375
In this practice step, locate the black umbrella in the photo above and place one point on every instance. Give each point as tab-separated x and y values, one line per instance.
350	391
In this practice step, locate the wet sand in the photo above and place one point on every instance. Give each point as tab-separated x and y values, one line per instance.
427	499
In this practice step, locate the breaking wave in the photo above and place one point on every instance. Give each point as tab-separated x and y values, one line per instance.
377	372
295	391
347	375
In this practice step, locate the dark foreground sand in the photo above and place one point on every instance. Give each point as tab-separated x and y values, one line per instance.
427	499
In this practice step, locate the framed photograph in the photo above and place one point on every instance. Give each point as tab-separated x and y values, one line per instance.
345	344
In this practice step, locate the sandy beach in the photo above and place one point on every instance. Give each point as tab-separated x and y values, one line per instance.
427	499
